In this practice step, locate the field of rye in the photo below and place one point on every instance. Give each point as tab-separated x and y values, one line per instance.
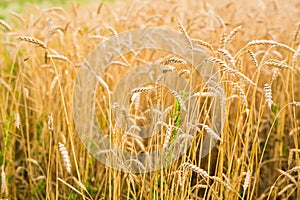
255	45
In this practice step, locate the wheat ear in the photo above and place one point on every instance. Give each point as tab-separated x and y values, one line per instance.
174	60
210	131
185	34
17	120
268	95
50	122
295	103
196	169
231	35
203	43
278	64
5	25
4	189
296	33
65	155
247	181
33	40
296	54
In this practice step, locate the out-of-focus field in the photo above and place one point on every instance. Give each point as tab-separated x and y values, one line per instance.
6	6
255	45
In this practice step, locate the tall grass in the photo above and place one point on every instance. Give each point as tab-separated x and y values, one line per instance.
255	46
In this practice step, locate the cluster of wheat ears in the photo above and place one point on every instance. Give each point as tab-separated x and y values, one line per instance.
255	45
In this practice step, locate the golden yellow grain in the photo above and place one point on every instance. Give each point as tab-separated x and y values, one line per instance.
185	34
253	58
4	188
65	156
270	42
231	35
203	43
5	25
33	40
268	94
296	33
278	64
174	60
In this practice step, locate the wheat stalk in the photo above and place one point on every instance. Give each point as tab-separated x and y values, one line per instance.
5	84
288	175
73	188
99	8
103	83
286	188
19	17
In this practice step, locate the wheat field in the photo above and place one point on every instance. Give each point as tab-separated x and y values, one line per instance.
254	45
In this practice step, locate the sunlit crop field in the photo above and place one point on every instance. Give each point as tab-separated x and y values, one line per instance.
254	47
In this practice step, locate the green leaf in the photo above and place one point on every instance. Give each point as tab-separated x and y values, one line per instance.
274	108
1	158
10	179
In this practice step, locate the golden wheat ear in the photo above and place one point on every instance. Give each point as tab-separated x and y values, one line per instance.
5	25
4	188
32	40
65	155
268	94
